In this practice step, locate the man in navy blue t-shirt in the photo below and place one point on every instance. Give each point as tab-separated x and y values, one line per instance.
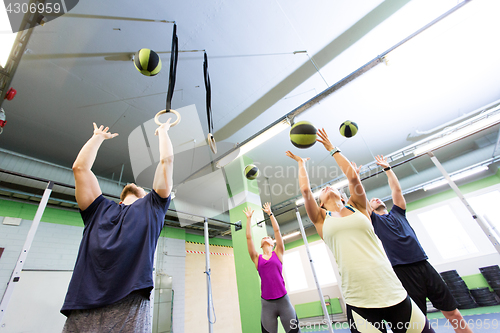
407	257
113	274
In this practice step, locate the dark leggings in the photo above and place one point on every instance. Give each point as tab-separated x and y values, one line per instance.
283	308
404	317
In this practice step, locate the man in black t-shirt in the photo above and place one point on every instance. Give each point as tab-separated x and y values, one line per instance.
113	275
407	257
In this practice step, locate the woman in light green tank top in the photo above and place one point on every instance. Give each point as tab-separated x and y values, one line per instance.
372	291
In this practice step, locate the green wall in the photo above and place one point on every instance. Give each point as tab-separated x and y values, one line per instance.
211	241
450	194
300	242
314	309
27	211
247	278
476	281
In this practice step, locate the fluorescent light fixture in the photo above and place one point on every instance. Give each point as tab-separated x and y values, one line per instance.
337	185
293	234
7	38
264	136
254	142
341	184
302	200
456	177
459	134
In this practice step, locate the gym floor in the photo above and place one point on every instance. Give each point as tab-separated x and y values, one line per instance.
480	320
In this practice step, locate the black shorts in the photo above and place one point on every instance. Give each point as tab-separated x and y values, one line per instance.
401	318
421	281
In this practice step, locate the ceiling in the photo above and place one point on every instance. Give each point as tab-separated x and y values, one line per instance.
76	71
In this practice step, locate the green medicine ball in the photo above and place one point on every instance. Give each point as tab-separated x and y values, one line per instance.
147	62
303	134
348	128
251	171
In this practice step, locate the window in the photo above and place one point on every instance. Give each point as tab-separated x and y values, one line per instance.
294	271
486	206
447	233
322	264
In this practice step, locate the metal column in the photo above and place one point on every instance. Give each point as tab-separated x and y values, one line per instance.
493	228
24	253
152	297
322	300
209	283
459	194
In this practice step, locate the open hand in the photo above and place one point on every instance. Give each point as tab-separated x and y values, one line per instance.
248	212
358	169
267	208
323	138
164	127
297	158
382	161
103	132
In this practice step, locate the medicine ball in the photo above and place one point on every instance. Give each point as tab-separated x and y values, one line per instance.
348	128
303	134
251	171
147	62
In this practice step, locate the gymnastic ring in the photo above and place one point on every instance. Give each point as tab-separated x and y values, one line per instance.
211	143
159	123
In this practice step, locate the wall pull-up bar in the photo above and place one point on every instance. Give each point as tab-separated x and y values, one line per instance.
322	299
477	218
16	274
210	303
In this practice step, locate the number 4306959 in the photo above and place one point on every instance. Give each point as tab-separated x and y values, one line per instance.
24	8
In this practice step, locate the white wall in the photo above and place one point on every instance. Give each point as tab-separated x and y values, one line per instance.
310	293
171	259
35	303
466	264
55	247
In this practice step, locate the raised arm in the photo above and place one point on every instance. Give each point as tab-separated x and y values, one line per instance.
251	247
163	181
397	194
280	245
313	210
358	170
358	195
86	185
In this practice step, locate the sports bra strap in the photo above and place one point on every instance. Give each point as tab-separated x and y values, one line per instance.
350	208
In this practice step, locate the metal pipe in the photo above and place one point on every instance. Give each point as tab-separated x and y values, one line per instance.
493	228
152	295
324	184
209	283
322	299
459	194
16	274
121	174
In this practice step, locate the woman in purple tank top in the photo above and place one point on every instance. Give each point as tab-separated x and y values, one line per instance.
274	298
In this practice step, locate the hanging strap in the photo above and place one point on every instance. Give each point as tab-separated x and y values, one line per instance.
208	94
173	69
